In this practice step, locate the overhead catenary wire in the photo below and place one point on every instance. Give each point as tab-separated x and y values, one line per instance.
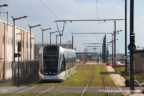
86	20
52	12
97	11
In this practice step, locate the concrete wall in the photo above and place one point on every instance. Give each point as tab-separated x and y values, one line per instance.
139	61
6	47
1	48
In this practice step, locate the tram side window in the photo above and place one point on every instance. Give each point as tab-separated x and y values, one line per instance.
66	61
63	64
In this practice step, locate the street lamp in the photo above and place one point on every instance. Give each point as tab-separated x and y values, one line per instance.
72	42
14	19
51	34
115	32
31	37
43	34
4	5
108	43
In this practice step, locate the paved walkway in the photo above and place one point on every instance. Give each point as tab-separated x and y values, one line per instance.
117	78
45	89
119	81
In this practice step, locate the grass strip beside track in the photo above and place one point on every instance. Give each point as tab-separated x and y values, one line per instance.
62	94
97	77
80	78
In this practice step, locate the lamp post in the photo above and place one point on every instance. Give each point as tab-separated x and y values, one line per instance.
112	51
19	50
31	37
72	42
108	43
114	40
115	32
14	19
43	34
51	34
31	44
3	5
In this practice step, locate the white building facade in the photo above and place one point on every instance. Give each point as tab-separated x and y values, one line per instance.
7	47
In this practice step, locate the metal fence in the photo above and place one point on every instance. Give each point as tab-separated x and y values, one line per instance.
25	72
3	82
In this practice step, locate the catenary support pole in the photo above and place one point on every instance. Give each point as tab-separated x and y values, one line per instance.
50	38
114	43
126	37
14	39
112	51
72	41
132	45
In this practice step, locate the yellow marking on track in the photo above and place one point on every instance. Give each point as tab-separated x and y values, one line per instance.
28	88
46	90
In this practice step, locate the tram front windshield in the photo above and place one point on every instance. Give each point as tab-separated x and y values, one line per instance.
50	60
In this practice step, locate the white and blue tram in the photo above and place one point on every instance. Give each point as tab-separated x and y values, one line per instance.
56	63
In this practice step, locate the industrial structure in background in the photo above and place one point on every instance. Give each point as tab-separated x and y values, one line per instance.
6	49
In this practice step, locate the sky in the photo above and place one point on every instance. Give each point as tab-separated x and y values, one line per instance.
45	12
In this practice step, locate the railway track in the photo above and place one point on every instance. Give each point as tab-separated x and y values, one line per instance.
104	81
90	76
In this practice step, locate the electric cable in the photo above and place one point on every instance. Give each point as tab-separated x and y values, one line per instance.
48	8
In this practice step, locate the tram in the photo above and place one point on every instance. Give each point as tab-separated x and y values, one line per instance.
56	63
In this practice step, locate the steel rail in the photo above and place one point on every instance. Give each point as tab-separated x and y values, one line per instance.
84	90
104	81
